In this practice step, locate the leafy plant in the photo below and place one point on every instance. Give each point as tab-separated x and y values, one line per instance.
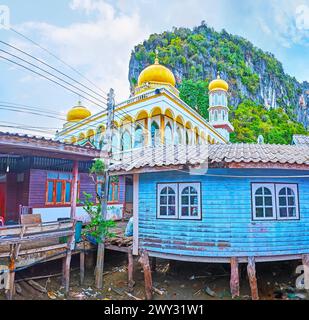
98	228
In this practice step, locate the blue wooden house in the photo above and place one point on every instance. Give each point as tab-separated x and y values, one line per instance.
233	203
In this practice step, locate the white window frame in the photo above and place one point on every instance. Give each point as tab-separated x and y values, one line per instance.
294	187
161	186
183	186
271	187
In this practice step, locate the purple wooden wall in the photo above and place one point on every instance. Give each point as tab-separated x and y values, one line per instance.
37	187
17	194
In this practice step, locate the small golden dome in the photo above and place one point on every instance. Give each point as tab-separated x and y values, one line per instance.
218	84
78	113
157	73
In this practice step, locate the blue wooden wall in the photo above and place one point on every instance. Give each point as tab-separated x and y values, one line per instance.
227	228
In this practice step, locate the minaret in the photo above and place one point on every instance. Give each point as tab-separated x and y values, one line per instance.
218	107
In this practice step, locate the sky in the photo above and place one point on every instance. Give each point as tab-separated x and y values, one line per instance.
96	38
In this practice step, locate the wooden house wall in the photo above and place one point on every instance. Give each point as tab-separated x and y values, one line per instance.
17	193
11	197
122	189
226	228
37	187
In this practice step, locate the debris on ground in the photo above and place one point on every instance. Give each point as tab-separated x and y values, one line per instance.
52	295
210	292
158	291
37	286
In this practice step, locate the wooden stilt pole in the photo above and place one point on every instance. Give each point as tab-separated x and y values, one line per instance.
144	261
252	278
100	265
82	267
306	270
234	282
11	291
67	272
131	281
154	264
63	271
89	260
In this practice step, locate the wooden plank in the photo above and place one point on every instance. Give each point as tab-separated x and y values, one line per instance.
36	250
30	219
117	248
35	238
32	229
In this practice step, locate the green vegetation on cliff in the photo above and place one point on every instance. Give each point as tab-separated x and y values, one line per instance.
251	120
256	78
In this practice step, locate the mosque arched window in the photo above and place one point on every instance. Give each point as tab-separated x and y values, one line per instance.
216	116
154	133
115	147
188	140
139	137
126	141
168	135
178	136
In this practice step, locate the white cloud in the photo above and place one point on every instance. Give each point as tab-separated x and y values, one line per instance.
302	17
100	47
289	22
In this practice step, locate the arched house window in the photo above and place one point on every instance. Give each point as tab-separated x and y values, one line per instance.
287	201
263	201
167	201
189	201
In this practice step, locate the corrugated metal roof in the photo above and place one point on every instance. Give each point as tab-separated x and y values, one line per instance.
23	144
219	154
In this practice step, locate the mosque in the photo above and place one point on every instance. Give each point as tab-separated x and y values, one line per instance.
153	115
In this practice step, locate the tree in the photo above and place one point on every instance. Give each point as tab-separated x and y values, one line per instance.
195	94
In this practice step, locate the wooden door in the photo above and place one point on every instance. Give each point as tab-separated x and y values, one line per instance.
2	199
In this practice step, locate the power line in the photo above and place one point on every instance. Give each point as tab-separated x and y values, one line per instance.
51	74
56	57
51	67
43	76
10	108
27	107
28	126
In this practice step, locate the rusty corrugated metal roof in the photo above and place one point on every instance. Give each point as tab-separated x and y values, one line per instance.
16	143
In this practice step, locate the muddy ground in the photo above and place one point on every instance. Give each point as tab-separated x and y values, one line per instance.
176	281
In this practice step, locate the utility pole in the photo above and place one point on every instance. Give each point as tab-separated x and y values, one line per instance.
107	148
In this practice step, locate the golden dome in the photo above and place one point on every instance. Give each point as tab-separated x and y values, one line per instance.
218	84
78	113
157	73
